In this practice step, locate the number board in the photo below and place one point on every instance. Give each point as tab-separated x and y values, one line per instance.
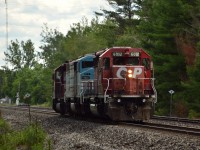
135	54
118	54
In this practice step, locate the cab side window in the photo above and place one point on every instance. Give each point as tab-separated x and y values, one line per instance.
146	63
106	63
133	61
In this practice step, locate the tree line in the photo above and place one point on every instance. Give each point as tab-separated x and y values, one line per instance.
167	30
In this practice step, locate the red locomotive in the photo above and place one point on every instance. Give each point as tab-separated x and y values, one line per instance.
122	87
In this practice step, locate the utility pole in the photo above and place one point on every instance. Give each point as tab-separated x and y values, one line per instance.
6	29
6	24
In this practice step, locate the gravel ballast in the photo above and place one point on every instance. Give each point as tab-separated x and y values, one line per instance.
69	133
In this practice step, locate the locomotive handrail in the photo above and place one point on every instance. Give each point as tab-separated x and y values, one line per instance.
87	81
81	96
104	96
108	84
86	70
146	78
82	93
153	87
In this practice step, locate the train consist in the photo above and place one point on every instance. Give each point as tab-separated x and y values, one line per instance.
117	83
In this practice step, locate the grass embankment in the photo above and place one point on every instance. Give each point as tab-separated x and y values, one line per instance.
33	137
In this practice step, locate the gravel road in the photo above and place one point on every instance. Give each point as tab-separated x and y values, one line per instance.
72	134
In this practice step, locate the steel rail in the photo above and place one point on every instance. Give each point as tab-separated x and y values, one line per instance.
32	109
177	119
170	128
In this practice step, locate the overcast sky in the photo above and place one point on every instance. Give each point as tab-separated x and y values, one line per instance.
26	18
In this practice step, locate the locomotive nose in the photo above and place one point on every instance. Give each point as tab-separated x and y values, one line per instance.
129	79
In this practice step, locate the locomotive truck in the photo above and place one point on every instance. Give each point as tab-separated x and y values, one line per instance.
117	83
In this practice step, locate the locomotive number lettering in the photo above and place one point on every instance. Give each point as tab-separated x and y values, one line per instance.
121	70
137	71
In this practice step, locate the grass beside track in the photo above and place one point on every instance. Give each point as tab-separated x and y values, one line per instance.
33	137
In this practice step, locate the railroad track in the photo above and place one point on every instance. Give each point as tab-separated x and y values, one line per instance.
172	128
176	119
164	127
155	126
42	110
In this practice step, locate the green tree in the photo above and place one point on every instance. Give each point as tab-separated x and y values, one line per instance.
169	31
7	77
26	75
52	44
28	54
34	81
14	55
124	13
79	40
20	55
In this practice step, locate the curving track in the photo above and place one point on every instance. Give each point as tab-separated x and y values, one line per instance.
176	119
155	126
164	127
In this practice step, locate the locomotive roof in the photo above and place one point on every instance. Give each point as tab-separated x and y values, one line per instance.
85	57
60	67
82	58
101	53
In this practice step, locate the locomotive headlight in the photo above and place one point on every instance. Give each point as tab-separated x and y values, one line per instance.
130	71
130	75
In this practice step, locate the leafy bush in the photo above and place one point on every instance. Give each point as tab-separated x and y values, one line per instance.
193	114
31	138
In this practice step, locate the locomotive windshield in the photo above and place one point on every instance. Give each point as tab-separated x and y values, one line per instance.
126	61
87	64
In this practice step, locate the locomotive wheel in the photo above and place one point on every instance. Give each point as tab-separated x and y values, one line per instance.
78	108
86	108
68	109
54	106
63	108
101	108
